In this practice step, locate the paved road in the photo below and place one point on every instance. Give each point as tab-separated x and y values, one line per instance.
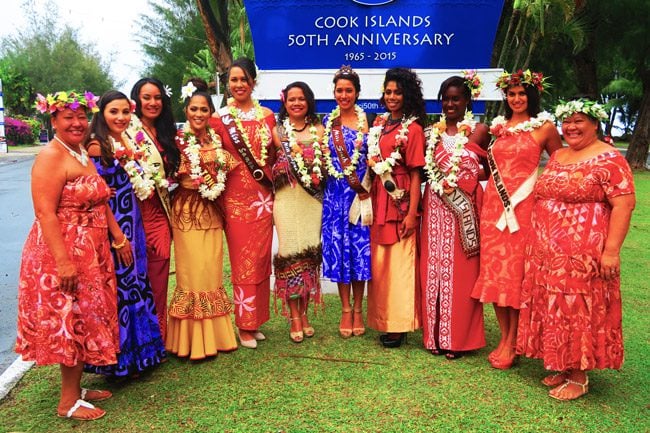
16	217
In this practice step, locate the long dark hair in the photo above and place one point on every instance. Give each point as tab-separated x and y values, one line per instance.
411	86
458	82
164	124
311	116
99	130
533	97
346	73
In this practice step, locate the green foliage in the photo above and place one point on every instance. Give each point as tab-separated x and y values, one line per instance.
327	384
46	59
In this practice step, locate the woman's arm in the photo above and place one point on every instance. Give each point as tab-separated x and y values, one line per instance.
409	224
551	139
619	223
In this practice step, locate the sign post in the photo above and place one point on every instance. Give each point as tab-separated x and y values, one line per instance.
3	139
304	40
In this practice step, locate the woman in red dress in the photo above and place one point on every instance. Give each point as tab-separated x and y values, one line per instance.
245	128
505	217
396	155
153	130
67	309
570	313
449	263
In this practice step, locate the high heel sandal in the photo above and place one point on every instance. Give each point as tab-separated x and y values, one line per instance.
296	336
356	329
345	332
307	330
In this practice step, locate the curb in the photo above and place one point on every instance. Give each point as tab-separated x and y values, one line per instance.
12	375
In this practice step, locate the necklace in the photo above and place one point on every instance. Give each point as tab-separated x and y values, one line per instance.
358	144
298	155
81	157
141	175
208	187
500	128
379	164
301	129
263	132
437	178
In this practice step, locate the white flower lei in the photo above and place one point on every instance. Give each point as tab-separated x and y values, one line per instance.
435	176
375	161
358	142
141	175
198	173
296	153
264	134
138	140
498	126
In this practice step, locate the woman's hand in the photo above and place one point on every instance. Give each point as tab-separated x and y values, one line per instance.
68	278
124	253
408	226
610	266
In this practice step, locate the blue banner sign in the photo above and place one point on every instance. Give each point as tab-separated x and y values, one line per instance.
429	34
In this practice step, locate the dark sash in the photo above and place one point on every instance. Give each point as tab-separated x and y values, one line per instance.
284	142
345	160
463	209
245	153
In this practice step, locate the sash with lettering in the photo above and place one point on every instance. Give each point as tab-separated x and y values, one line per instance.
466	216
508	218
244	152
317	193
361	207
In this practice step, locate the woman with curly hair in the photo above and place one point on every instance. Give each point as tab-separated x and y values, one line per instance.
153	130
396	155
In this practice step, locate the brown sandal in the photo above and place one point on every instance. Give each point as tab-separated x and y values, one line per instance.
356	329
345	332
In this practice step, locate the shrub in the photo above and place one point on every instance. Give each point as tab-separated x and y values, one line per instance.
35	124
18	132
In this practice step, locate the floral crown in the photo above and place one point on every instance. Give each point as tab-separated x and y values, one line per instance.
344	71
473	82
187	91
522	77
71	99
585	106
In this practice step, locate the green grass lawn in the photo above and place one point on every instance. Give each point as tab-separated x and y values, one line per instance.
327	384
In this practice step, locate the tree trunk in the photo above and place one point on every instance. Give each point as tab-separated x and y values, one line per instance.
217	32
637	152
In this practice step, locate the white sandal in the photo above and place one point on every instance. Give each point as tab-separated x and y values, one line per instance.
584	386
78	404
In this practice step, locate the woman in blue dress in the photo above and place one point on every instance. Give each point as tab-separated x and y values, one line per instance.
123	166
346	204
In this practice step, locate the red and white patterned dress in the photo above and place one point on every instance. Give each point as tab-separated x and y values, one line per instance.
451	318
57	328
570	317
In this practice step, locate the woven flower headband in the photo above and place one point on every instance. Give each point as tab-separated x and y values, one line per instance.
473	82
520	78
585	106
59	101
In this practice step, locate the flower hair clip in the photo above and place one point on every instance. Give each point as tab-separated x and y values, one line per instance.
473	82
59	101
168	91
187	91
522	77
584	106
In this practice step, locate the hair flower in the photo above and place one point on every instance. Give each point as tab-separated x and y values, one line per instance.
187	91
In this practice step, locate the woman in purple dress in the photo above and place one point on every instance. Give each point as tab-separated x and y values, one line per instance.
125	170
346	244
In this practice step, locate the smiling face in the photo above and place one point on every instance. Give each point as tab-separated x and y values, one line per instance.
296	104
241	88
579	131
517	99
70	126
151	102
394	99
117	115
198	112
454	103
345	94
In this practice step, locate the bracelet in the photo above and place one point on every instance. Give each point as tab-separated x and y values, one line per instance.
121	244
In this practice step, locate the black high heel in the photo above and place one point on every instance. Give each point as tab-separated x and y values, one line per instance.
391	343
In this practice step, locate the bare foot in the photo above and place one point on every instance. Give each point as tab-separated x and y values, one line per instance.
95	394
555	379
576	385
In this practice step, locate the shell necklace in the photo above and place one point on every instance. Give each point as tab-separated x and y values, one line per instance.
81	157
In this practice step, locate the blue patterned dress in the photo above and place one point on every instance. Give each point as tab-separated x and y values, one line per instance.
346	247
141	345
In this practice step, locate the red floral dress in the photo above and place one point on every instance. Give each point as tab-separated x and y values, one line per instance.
57	328
570	317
